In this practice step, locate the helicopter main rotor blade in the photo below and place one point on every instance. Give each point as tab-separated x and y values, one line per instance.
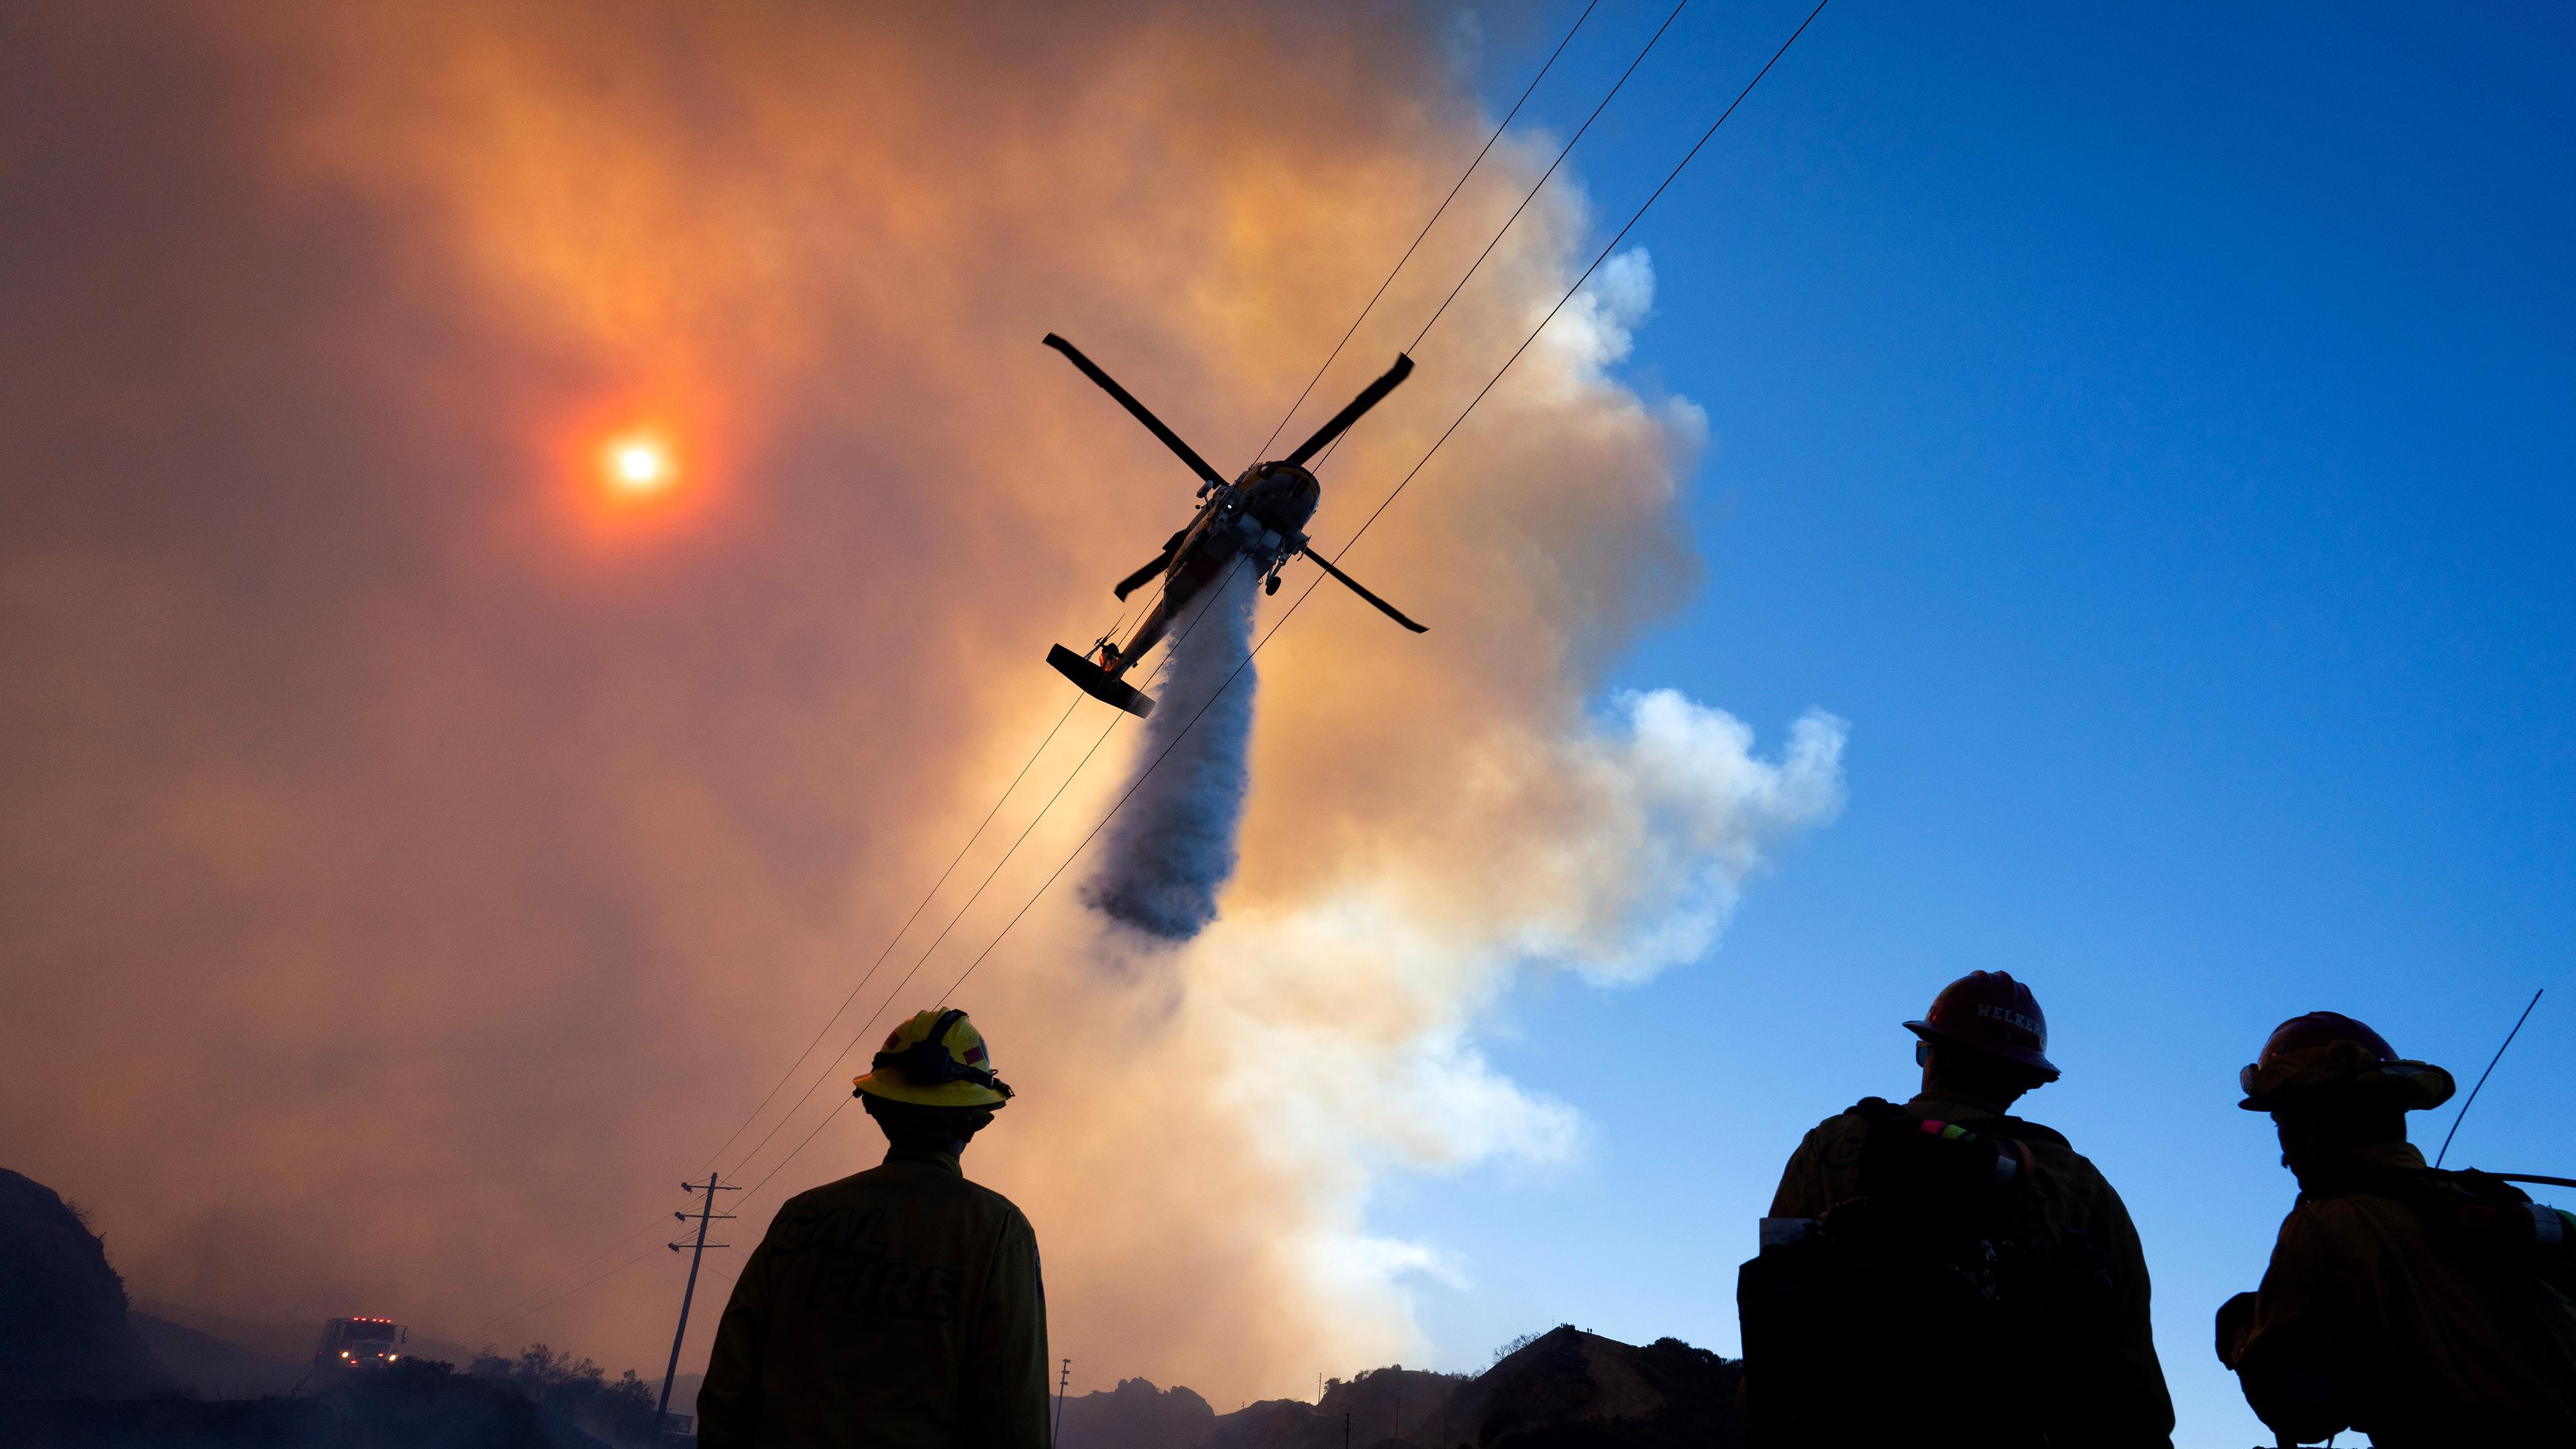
1145	575
1143	414
1369	397
1356	587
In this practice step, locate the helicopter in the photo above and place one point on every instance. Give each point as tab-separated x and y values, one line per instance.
1260	518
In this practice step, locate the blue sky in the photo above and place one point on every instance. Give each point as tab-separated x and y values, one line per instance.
2149	428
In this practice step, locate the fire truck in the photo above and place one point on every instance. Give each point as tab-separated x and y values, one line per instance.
349	1344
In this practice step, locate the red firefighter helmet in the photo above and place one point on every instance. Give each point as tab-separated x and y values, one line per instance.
2326	1053
2316	1029
1991	1012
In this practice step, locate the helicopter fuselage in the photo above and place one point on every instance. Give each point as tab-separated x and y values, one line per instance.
1258	520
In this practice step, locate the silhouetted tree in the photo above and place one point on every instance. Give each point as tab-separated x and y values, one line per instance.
578	1391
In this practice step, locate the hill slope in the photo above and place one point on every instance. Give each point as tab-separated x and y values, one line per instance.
1564	1390
211	1367
63	1332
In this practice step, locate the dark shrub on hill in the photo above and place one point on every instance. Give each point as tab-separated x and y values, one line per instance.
414	1405
425	1404
579	1392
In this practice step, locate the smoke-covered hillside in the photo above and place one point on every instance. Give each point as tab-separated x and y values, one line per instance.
80	1370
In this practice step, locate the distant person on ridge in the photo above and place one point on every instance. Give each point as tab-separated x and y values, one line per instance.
899	1308
1942	1273
2420	1307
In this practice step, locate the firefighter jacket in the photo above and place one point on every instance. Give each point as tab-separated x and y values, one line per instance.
2106	1375
2372	1317
899	1308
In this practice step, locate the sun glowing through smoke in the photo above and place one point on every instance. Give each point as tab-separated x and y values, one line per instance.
638	466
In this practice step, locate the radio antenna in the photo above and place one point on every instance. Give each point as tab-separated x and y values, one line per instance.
2482	1079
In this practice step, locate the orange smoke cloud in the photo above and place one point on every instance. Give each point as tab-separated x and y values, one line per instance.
416	862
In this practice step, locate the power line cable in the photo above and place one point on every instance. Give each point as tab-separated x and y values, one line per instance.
900	932
566	1274
1034	755
1507	225
897	939
1365	525
891	943
567	1293
1408	478
1603	255
918	962
1213	597
1347	334
1531	195
1436	214
1198	617
906	929
519	1313
1566	150
754	1190
1302	596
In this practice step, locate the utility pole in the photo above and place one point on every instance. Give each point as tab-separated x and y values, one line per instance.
1346	1429
706	1213
1063	1375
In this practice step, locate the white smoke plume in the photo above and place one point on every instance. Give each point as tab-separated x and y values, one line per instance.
417	857
1345	1025
1171	846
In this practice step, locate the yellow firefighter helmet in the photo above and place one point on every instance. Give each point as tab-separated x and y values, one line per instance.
937	1059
